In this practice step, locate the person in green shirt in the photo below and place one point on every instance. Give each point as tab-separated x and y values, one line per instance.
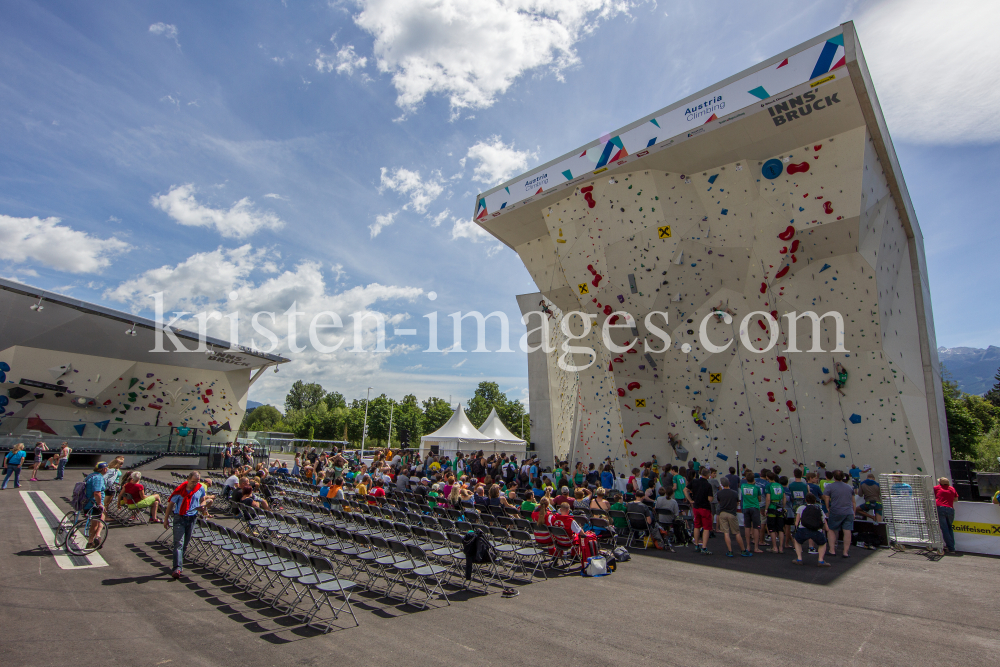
433	495
775	513
618	506
529	504
840	380
579	475
679	483
558	475
750	498
797	491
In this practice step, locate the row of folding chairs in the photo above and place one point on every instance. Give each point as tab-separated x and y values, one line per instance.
271	570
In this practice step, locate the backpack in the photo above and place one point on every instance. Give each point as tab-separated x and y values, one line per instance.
595	566
621	554
590	548
79	496
477	549
812	518
522	478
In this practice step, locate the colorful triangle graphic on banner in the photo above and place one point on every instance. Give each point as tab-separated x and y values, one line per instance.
79	428
103	425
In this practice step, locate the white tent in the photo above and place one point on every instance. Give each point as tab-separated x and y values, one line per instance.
504	440
459	435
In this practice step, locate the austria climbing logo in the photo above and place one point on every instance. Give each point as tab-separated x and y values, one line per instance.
536	183
706	109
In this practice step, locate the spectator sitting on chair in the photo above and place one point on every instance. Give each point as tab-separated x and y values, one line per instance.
582	500
140	500
563	497
667	512
810	524
597	501
639	507
565	519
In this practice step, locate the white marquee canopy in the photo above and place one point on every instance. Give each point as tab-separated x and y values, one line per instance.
459	435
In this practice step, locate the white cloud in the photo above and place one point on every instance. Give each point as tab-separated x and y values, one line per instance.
238	221
203	281
381	222
344	62
498	161
473	50
441	217
271	195
167	30
338	272
465	228
925	59
405	182
48	242
461	363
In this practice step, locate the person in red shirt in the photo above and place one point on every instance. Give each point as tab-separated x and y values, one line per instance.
138	495
945	496
377	492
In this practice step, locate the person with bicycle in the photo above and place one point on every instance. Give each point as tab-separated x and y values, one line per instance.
185	501
94	507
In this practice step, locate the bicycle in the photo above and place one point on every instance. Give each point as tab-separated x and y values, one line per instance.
74	529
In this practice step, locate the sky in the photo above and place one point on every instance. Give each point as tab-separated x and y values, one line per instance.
248	156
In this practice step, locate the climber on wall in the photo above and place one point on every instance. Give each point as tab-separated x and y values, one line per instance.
840	378
721	309
699	417
546	309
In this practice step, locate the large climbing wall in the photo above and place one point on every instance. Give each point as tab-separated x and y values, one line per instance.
112	398
811	229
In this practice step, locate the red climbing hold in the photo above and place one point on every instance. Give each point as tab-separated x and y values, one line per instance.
794	259
787	234
781	273
783	451
107	402
633	385
590	267
784	249
774	314
610	367
817	147
828	208
596	280
797	168
795	245
607	310
633	453
791	406
763	288
760	322
587	189
621	392
643	424
631	351
770	396
782	364
633	433
614	318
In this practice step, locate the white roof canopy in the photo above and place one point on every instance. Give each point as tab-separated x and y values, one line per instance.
494	428
458	434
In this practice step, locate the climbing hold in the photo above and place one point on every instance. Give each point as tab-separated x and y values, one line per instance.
770	396
795	245
781	273
801	167
782	364
828	207
855	418
763	288
633	385
790	405
621	392
787	234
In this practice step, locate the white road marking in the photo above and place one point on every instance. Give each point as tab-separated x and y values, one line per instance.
45	518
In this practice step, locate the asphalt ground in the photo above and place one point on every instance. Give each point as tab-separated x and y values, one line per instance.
876	608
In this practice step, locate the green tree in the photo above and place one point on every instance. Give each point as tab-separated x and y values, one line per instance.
303	396
437	412
964	430
489	397
993	395
378	419
335	400
409	420
261	418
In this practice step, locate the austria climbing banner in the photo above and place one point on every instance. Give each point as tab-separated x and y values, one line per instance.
815	63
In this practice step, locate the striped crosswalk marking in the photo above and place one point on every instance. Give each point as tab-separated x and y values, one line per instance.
46	515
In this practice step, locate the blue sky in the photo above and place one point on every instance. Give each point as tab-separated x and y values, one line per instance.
329	153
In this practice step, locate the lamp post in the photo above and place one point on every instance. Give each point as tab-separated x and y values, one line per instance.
364	433
522	427
392	405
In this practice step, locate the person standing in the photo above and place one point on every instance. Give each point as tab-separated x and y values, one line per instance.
728	501
64	453
40	448
13	462
750	498
95	487
945	496
185	502
775	513
699	494
840	500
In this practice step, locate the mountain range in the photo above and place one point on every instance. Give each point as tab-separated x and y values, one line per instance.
972	368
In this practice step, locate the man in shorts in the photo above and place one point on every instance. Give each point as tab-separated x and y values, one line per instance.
750	500
699	494
810	524
872	494
840	501
775	513
728	501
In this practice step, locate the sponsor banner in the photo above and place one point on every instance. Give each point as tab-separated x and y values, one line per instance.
977	528
815	64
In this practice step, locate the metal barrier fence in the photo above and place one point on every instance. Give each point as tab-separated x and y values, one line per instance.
910	513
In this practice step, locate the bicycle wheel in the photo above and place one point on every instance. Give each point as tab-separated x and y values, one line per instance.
79	536
63	527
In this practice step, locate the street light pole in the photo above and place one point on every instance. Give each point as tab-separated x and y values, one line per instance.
522	427
392	405
364	433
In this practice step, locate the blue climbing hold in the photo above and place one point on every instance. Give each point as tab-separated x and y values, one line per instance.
855	418
843	456
825	267
772	169
826	371
721	456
